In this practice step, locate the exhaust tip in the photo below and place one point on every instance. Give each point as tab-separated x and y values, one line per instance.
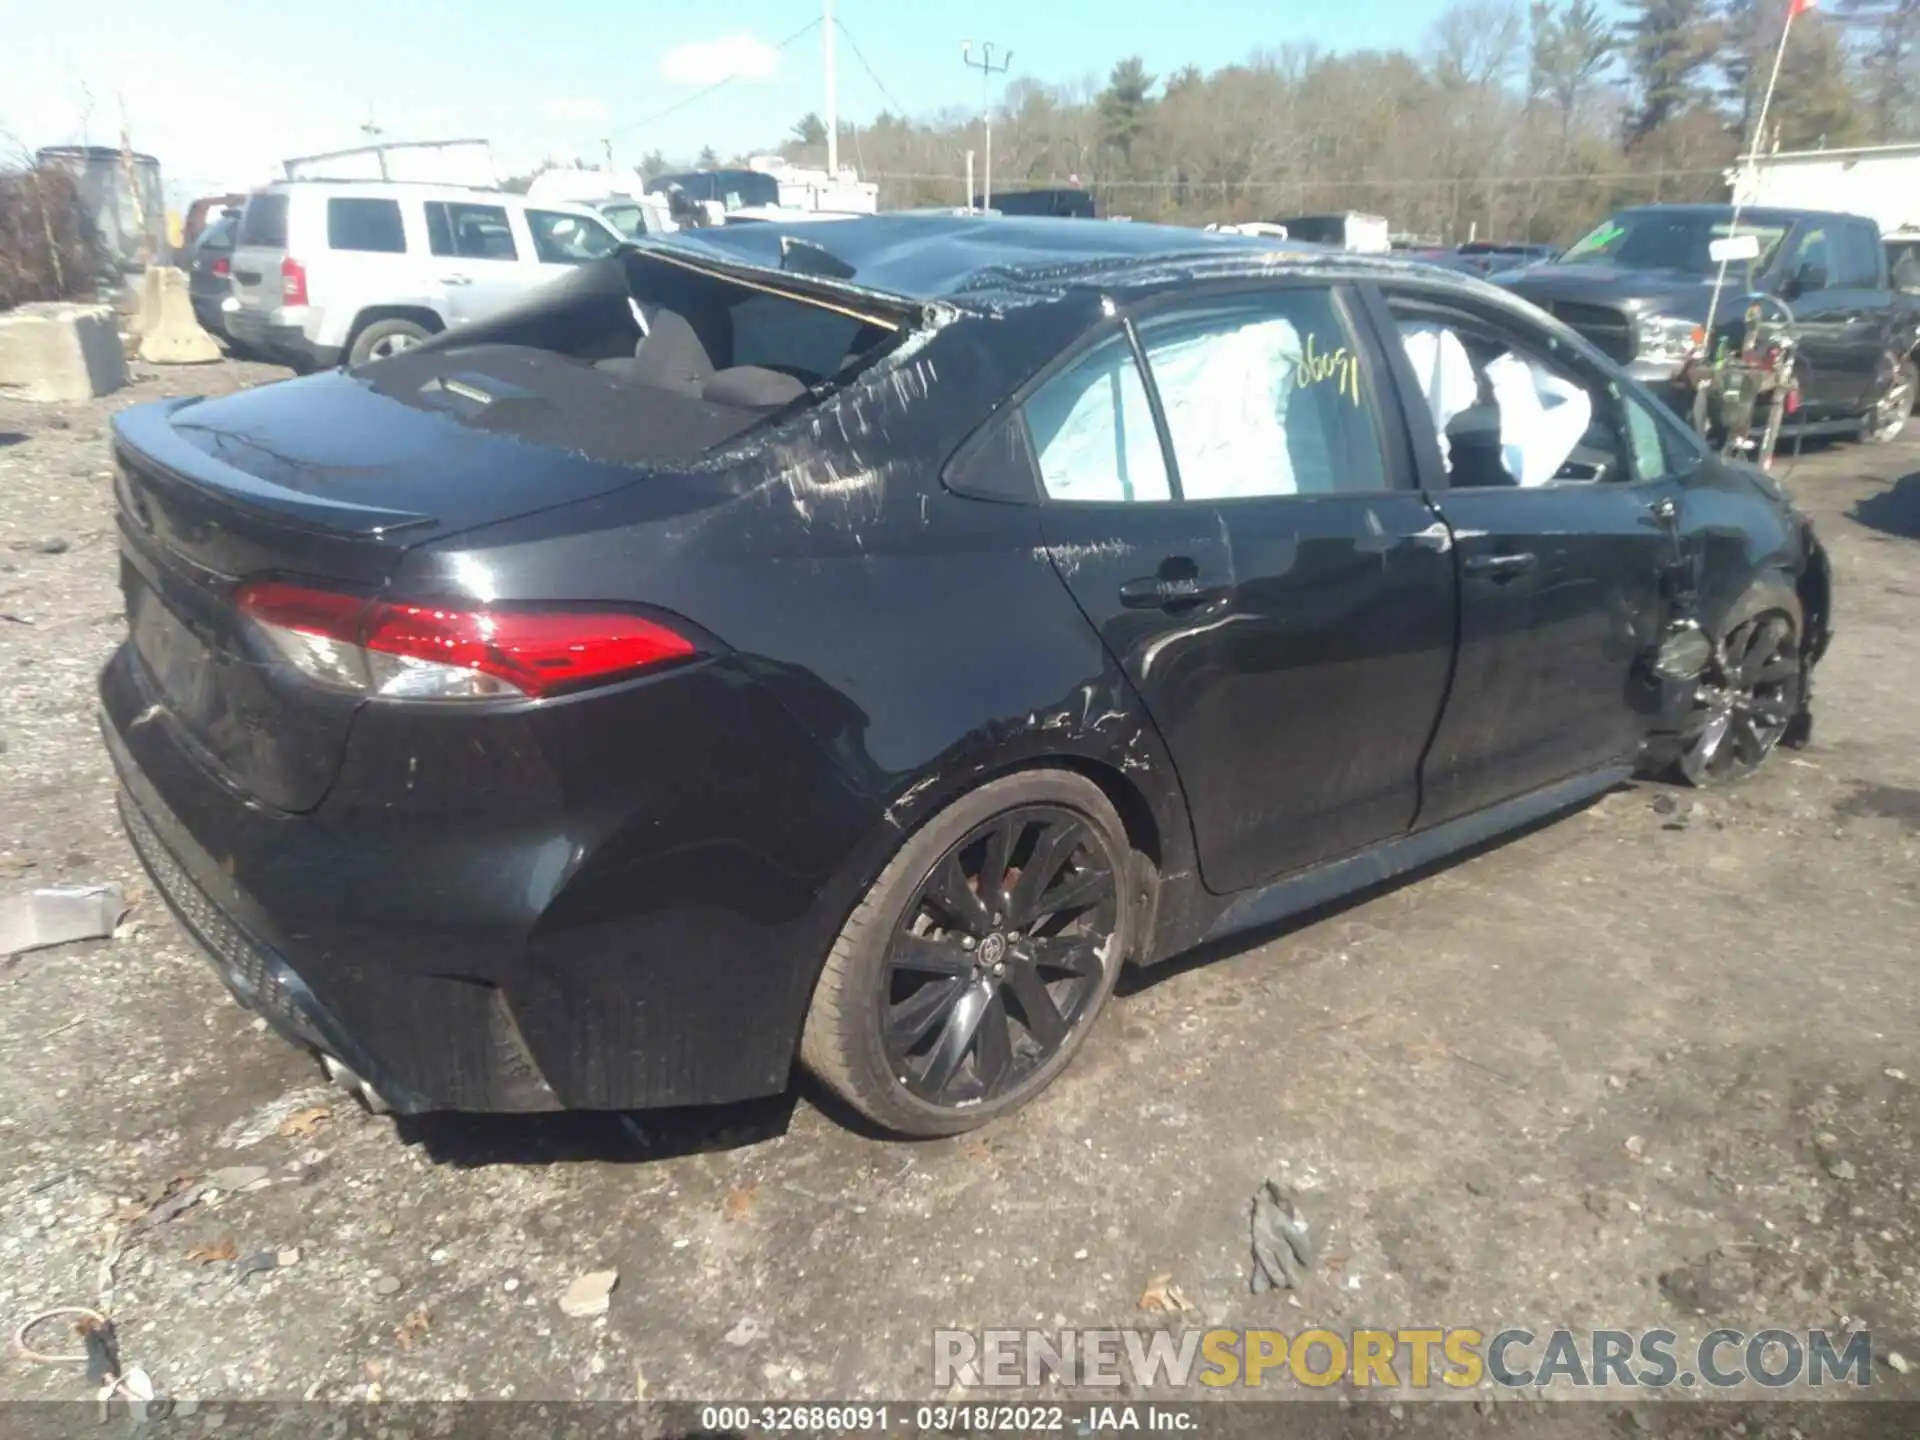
349	1081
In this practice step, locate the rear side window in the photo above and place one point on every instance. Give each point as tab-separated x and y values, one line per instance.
1264	396
357	224
1093	430
472	232
563	239
1905	261
1857	267
264	221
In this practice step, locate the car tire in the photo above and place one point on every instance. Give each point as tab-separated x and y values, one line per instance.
384	338
1886	421
1750	693
872	991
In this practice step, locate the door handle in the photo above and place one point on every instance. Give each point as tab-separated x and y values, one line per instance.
456	279
1501	567
1175	586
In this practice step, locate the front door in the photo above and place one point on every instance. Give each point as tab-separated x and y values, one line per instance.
1261	566
1565	540
477	261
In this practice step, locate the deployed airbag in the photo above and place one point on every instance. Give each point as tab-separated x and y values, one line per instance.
1542	417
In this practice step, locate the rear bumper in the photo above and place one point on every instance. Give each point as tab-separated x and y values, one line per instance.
436	957
258	330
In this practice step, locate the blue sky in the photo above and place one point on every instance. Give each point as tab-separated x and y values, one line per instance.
221	91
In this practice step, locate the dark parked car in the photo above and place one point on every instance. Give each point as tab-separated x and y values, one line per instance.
1062	202
856	643
1633	287
1489	257
210	273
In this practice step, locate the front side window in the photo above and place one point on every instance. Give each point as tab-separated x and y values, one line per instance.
1812	265
563	239
1093	430
1264	396
362	224
1662	449
1506	409
471	232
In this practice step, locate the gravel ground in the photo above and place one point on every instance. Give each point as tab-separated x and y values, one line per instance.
1655	1064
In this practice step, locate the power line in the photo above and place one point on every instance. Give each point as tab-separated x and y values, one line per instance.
881	85
707	90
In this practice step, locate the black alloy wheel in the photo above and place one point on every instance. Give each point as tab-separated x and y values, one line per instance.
973	969
999	957
1744	702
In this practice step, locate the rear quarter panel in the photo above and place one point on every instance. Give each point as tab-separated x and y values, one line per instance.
912	642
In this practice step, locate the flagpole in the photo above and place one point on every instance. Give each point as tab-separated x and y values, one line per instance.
1794	7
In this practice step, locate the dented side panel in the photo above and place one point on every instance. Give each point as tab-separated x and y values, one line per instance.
675	881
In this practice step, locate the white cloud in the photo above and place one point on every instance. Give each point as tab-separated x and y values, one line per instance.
730	57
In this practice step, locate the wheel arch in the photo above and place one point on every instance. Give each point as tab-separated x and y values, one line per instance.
424	315
1137	779
1151	832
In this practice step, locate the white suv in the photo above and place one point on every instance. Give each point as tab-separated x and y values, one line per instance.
329	270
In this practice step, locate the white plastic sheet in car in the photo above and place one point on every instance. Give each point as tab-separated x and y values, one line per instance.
1542	417
1445	372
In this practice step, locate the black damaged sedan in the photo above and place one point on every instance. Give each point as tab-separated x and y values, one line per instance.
853	645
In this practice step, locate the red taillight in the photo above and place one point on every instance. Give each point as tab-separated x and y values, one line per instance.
435	652
293	281
222	268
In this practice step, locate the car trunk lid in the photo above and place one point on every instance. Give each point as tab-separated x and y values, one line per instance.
323	480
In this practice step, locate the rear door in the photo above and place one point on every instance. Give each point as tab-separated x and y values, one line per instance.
364	260
1825	322
1873	316
1562	511
478	265
1259	563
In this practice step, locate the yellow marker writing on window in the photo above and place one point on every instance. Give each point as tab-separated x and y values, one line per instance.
1341	366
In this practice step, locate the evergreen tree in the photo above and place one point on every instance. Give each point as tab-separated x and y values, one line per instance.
1669	47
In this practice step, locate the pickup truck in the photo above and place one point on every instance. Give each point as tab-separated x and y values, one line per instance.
1641	284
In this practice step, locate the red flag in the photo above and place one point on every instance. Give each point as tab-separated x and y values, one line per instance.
1797	8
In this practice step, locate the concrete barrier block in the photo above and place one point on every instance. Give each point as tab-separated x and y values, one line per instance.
169	333
61	353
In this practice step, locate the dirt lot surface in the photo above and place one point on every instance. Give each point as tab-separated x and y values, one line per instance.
1655	1064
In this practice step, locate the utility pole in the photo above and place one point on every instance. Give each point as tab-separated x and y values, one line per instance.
833	96
988	69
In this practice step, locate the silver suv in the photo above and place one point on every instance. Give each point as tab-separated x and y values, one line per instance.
330	270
